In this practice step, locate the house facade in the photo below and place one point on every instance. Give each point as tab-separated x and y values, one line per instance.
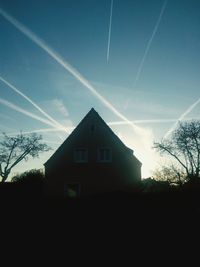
92	160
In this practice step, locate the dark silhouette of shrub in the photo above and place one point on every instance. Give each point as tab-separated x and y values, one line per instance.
192	185
32	177
150	185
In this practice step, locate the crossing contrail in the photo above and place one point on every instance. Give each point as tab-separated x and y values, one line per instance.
25	112
33	37
144	136
150	121
47	130
30	132
114	123
150	42
11	86
142	121
181	118
109	30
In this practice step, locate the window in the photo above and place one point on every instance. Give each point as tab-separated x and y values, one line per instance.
92	128
81	155
104	155
72	190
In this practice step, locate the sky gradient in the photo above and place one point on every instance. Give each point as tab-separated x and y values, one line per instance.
136	62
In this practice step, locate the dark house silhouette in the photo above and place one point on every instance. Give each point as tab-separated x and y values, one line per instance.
92	160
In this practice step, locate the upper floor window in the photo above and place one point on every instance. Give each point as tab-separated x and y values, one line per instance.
81	155
92	127
104	154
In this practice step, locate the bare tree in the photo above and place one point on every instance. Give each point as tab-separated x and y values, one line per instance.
15	149
184	147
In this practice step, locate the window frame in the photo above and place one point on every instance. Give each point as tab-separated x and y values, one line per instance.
105	160
79	159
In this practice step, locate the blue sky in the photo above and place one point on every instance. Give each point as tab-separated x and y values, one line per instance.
167	85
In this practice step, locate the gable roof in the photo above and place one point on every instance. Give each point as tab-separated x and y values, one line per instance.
90	116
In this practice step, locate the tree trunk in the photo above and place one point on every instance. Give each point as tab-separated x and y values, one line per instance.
4	178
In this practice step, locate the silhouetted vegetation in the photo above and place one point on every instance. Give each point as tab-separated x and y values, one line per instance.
171	174
184	147
14	149
33	177
150	185
28	185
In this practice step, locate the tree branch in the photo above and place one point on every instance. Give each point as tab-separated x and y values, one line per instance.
172	154
15	149
9	157
198	156
20	158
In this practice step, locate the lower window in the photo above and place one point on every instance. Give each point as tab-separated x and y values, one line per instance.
72	190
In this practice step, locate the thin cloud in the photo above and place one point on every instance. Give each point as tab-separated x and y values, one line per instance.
52	142
2	126
109	30
11	86
150	42
25	112
56	106
7	118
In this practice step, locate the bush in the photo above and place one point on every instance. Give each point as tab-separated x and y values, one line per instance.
151	186
32	177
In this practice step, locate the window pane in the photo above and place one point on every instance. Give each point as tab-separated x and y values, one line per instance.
72	190
107	154
101	154
81	155
104	155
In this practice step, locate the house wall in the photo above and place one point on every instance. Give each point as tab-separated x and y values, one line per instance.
124	171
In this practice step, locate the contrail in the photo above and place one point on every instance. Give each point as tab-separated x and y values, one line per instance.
32	103
150	42
109	30
46	141
52	142
25	112
181	118
142	121
114	123
66	65
47	130
148	121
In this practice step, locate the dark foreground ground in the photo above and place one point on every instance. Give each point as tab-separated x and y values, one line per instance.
121	227
29	201
99	224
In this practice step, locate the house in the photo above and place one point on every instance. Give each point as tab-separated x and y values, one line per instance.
92	160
